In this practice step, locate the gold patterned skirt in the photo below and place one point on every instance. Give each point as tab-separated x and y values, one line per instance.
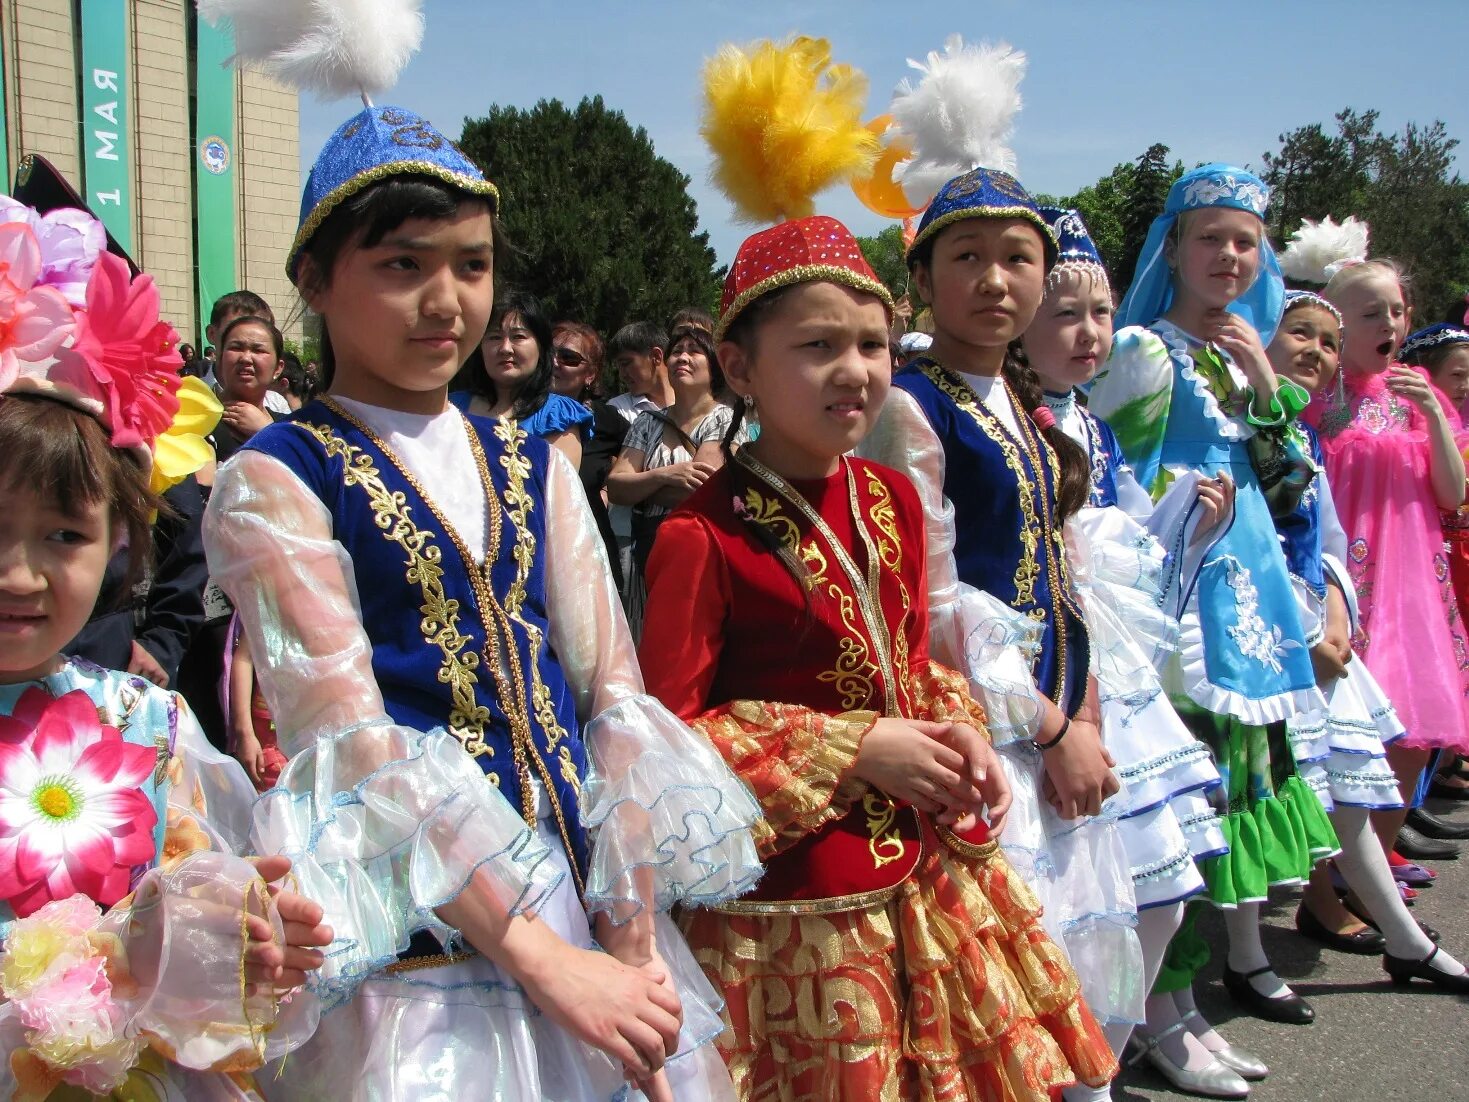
948	992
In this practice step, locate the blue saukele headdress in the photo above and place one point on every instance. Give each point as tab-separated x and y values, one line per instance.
372	145
982	193
1430	338
1075	248
1211	185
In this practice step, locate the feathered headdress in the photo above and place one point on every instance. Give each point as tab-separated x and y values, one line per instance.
338	47
959	115
1318	250
784	124
330	47
957	119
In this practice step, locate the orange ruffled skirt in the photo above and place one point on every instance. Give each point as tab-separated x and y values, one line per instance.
950	991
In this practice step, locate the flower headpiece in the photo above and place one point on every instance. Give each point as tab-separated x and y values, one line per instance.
1211	185
76	326
342	47
1430	338
1076	251
784	123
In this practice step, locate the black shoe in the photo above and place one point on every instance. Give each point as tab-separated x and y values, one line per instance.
1367	943
1431	826
1290	1009
1428	931
1422	848
1404	972
1444	791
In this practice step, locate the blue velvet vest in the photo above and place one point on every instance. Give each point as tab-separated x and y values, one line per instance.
1106	456
1300	531
1007	541
454	644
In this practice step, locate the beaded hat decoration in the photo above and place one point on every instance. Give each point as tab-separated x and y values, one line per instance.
341	48
982	193
784	123
1075	249
1208	186
1432	337
373	145
1294	300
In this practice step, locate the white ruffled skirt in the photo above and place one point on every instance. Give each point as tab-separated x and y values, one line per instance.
467	1031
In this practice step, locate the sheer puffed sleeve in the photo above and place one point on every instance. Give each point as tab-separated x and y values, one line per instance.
384	823
1132	394
969	630
658	797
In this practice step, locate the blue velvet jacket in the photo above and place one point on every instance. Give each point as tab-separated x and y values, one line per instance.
1300	530
1007	541
455	644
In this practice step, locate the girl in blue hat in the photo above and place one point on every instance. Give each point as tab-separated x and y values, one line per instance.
1190	394
494	813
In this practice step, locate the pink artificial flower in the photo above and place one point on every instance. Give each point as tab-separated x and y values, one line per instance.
73	817
34	321
71	240
130	352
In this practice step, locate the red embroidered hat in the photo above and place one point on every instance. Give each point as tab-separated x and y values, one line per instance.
818	248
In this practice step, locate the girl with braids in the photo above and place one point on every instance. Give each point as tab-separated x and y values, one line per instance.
998	479
1191	395
890	952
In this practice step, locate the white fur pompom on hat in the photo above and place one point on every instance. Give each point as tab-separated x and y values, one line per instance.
1318	250
330	47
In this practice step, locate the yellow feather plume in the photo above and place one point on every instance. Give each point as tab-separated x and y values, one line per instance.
783	123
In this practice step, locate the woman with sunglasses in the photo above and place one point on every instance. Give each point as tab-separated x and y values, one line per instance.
576	365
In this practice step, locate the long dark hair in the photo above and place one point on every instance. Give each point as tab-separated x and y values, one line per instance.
368	217
1074	467
474	376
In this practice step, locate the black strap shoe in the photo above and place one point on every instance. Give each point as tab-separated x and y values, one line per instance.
1290	1008
1404	971
1431	826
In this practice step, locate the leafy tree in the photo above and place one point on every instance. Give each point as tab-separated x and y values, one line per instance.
602	229
1402	184
886	252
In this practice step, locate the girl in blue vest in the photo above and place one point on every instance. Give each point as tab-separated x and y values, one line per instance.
495	814
999	479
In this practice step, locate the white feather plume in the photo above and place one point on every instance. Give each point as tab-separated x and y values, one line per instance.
1318	250
330	47
959	115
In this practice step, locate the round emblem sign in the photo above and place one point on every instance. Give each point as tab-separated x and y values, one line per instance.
215	154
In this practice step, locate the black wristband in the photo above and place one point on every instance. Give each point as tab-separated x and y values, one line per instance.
1065	726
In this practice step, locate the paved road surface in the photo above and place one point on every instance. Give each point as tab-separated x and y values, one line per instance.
1371	1041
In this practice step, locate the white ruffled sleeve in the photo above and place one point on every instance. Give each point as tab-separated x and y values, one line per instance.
384	823
1334	547
969	630
658	796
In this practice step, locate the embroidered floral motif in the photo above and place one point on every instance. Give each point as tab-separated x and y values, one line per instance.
1357	552
1254	638
1210	190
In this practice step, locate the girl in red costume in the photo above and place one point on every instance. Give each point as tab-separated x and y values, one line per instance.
890	951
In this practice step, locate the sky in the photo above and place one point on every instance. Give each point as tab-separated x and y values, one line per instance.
1107	78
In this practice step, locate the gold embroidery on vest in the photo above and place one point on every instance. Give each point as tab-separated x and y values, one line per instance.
884	843
440	613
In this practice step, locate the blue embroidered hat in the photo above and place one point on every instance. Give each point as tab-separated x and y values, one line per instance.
982	193
1211	185
1075	247
1430	338
372	145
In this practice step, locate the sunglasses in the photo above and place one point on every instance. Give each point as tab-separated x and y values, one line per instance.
569	357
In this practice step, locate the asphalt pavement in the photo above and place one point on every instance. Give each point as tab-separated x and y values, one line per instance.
1371	1041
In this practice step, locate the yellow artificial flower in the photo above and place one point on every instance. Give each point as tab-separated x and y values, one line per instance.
31	950
181	449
